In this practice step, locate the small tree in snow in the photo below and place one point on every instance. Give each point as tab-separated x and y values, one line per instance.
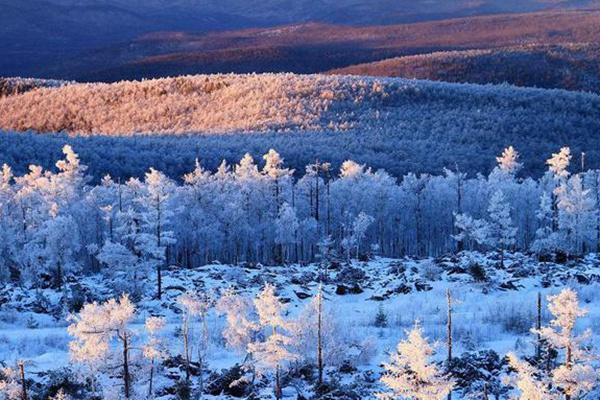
95	328
576	375
154	348
529	383
192	306
272	352
411	375
240	329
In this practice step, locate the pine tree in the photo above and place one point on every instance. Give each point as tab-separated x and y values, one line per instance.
410	374
156	216
501	232
577	374
577	214
508	162
272	352
530	383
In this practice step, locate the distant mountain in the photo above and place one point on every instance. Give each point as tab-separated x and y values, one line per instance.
38	36
569	66
316	47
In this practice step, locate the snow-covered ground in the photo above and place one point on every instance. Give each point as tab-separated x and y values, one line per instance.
494	308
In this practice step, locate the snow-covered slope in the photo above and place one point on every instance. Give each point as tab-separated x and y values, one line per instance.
285	102
493	311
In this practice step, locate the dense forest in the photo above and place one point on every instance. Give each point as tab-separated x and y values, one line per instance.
56	223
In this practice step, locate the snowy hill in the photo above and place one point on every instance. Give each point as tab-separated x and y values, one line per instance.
397	124
278	102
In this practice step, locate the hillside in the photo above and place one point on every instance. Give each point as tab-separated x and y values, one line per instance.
12	86
310	47
571	66
206	104
397	124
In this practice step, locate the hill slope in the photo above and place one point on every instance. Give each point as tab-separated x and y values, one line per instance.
277	102
313	47
571	66
396	124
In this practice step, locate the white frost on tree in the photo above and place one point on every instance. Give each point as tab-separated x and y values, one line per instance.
410	373
96	328
576	375
528	381
272	353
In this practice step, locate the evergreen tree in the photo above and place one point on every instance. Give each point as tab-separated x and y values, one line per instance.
410	374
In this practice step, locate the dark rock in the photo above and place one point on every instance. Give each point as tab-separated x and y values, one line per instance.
355	290
422	286
456	269
508	285
302	295
582	279
397	268
341	290
351	275
403	288
347	367
220	384
304	278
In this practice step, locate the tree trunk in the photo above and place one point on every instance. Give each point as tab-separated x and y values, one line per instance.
150	395
23	385
449	335
158	282
126	377
186	348
538	326
320	336
277	383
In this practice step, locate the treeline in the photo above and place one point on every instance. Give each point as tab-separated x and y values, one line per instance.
56	223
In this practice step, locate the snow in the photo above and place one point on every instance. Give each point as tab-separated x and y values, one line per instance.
486	316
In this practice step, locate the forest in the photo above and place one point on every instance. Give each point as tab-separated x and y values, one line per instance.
246	281
57	223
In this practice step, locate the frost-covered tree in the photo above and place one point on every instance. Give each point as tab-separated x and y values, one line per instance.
546	239
508	162
10	386
273	351
531	384
577	375
286	226
156	216
410	373
577	214
154	349
192	306
96	328
500	232
496	232
240	327
357	233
